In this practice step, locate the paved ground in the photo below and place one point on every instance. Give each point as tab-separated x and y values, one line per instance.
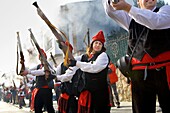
9	108
126	107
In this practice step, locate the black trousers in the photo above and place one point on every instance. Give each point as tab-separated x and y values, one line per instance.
44	98
72	105
145	92
58	92
100	101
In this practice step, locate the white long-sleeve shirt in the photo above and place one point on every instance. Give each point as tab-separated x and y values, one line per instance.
67	76
36	72
93	67
148	18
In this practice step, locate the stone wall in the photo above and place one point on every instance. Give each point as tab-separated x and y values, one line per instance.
123	88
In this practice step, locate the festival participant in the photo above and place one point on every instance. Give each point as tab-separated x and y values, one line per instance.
113	78
21	94
42	94
148	43
94	98
67	101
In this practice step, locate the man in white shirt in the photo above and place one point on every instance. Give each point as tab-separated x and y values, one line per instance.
148	44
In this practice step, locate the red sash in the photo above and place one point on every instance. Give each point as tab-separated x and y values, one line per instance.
34	92
84	102
164	58
63	102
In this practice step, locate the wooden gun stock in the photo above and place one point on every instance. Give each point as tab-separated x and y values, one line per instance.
22	60
46	64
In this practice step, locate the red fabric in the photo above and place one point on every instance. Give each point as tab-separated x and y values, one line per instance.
91	55
43	52
45	87
41	66
69	45
99	37
113	76
147	59
168	74
64	95
34	92
160	58
84	102
8	96
63	102
57	84
110	96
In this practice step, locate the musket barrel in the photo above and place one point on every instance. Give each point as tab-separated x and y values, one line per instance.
53	29
35	4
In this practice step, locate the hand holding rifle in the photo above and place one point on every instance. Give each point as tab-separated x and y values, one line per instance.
22	60
43	59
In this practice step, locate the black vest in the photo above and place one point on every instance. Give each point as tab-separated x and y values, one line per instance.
95	81
40	80
65	86
152	42
63	68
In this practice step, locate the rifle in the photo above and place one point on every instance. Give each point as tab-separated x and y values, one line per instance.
54	31
3	75
88	39
22	60
46	64
14	84
52	57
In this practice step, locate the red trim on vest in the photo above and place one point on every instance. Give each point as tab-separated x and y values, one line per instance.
168	75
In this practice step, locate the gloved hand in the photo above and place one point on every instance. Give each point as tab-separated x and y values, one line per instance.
72	63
